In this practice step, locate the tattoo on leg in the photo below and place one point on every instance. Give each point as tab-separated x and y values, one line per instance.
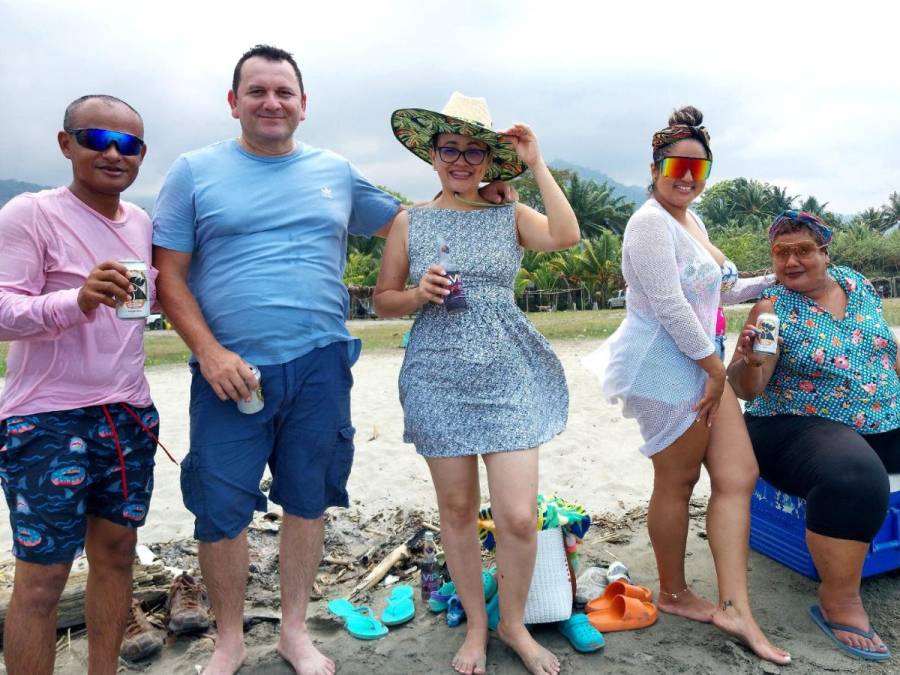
727	603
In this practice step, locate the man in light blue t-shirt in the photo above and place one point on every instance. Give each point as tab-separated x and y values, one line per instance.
250	239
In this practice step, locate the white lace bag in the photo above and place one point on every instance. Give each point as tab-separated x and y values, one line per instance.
550	596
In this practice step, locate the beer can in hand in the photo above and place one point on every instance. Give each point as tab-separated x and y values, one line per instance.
766	334
137	306
254	402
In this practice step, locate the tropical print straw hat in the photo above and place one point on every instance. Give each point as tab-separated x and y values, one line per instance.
415	127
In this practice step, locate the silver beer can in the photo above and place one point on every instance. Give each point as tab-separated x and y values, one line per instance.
767	326
254	402
137	306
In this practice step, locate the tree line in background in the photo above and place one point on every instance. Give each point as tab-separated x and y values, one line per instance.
737	213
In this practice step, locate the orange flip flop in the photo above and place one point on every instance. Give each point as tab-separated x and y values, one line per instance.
624	613
618	588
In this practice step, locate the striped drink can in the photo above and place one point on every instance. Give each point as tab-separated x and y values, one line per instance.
254	402
137	306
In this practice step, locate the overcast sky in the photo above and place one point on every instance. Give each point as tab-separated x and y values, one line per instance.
797	94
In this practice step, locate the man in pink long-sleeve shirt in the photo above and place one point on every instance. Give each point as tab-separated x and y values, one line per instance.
77	425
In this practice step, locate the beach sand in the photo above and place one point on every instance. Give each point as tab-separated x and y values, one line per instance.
594	462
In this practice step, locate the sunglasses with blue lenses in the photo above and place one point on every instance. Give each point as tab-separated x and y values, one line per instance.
100	139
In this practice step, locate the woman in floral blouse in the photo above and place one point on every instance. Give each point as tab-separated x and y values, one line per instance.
823	414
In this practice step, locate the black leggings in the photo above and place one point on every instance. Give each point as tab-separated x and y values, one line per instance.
842	475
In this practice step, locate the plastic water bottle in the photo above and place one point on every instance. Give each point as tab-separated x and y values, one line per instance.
456	301
430	575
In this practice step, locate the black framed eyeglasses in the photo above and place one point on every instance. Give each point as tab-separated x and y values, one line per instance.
100	139
473	156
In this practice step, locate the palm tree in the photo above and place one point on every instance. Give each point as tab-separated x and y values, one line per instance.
753	202
812	205
567	265
734	203
373	246
532	259
600	265
716	211
781	200
361	269
545	278
891	210
597	207
872	218
528	190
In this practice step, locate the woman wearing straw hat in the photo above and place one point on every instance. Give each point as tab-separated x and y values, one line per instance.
481	380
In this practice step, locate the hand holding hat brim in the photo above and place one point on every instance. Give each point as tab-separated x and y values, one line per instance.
524	141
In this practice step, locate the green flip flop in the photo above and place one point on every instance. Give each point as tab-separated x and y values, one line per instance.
400	606
358	619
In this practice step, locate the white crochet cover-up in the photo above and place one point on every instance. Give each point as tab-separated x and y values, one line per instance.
674	289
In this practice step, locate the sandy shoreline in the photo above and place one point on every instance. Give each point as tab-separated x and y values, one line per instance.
595	462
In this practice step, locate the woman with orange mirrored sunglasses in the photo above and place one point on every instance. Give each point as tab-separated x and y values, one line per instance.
664	368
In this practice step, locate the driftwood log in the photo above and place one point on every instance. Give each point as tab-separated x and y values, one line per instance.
151	584
399	554
380	570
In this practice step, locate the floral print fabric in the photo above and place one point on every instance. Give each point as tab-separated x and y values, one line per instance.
839	369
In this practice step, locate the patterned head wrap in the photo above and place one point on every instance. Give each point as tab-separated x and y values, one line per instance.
677	132
810	220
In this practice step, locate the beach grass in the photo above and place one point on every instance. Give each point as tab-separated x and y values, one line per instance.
165	347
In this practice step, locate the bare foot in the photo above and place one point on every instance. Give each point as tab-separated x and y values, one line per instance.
535	658
741	625
472	655
687	605
226	660
852	614
298	649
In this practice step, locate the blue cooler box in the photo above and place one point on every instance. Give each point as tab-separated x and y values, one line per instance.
778	530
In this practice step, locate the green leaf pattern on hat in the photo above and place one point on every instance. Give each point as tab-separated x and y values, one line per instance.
415	127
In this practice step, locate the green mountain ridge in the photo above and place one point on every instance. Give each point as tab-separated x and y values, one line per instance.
633	193
11	188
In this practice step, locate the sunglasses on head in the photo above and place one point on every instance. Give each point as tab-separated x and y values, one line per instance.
677	167
803	251
100	139
473	156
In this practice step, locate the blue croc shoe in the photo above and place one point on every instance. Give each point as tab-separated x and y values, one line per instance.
455	612
581	634
829	627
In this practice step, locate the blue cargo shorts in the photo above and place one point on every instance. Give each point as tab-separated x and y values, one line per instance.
303	433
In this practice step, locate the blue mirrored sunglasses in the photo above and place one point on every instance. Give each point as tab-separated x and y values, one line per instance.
100	139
